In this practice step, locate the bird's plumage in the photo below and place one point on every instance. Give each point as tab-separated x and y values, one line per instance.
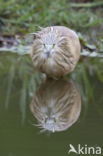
56	104
55	51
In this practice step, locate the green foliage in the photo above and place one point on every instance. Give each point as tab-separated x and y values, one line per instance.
23	16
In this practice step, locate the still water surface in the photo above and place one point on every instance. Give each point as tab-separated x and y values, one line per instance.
42	117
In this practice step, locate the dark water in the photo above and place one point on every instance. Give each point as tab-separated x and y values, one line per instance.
39	117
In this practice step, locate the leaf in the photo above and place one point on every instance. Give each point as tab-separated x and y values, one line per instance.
90	46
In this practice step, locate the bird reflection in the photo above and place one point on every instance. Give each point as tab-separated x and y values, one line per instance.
56	105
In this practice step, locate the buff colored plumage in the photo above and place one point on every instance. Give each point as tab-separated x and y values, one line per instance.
56	105
55	51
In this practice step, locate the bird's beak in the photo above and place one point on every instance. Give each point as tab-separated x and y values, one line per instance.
48	53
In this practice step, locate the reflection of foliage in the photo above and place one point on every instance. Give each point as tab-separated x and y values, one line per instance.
10	82
18	77
17	71
88	76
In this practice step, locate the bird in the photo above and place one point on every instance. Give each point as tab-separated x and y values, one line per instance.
54	108
55	50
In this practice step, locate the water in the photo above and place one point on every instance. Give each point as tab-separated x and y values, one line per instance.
71	108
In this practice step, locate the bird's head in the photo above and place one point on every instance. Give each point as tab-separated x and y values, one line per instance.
48	42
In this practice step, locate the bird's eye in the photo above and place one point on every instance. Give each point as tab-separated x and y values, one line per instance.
53	45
